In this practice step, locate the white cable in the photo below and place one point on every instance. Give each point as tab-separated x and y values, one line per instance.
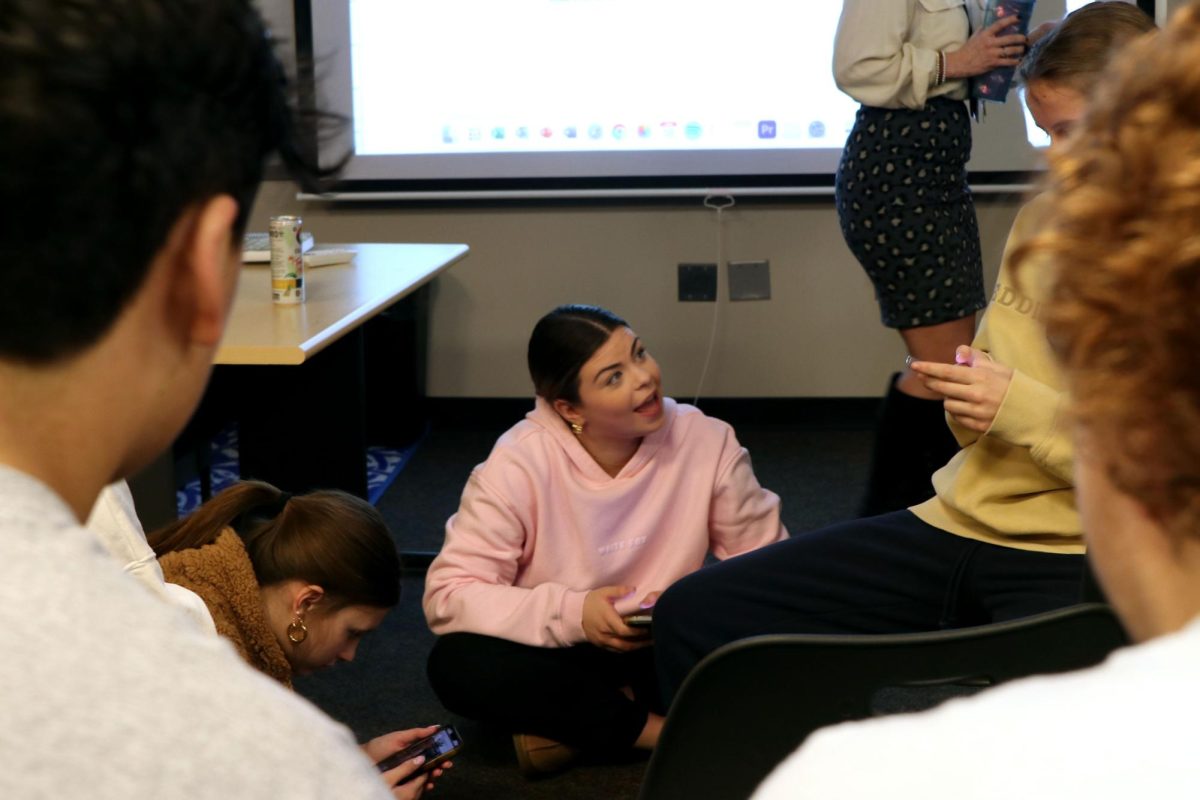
717	202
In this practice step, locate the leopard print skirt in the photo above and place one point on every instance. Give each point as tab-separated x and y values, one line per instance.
906	212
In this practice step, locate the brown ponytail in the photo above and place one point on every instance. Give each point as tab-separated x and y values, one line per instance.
329	538
205	524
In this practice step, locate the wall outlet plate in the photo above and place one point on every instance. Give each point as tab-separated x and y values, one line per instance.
697	283
749	280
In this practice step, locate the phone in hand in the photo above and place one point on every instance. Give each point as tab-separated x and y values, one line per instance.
437	747
642	619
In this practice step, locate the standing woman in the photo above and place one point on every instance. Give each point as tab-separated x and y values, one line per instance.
905	208
603	496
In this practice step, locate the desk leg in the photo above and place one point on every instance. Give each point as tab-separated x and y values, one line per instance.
395	352
304	427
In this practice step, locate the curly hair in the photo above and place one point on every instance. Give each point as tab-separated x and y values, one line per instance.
1123	241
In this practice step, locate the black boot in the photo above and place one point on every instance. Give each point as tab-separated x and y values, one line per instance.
912	441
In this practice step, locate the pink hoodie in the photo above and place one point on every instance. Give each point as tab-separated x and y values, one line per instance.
541	524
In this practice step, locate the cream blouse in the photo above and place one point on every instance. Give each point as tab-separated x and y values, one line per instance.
885	52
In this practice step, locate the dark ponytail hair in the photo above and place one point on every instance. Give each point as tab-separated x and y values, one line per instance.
562	342
329	538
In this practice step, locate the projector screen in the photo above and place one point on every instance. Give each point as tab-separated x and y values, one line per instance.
459	99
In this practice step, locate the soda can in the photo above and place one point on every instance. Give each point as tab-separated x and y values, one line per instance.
287	260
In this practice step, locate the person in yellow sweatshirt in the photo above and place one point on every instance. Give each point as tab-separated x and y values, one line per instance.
1121	241
1001	538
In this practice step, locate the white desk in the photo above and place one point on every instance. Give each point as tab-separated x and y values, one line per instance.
297	373
293	376
340	297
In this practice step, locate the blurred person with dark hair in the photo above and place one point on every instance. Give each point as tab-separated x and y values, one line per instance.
132	141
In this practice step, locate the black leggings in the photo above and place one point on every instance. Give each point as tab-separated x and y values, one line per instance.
887	574
569	694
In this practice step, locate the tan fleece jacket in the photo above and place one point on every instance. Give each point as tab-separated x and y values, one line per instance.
1012	485
221	573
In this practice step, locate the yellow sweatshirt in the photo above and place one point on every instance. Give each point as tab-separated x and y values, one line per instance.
1012	485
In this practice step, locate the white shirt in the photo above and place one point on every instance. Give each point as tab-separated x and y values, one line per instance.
885	51
109	693
115	522
1124	729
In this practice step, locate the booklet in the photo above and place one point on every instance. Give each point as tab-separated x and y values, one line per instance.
256	246
993	86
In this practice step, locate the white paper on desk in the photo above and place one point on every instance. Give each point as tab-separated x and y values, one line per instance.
321	257
256	246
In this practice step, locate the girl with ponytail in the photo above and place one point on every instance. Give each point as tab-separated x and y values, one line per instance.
293	581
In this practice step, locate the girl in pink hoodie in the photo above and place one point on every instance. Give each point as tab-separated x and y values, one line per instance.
605	494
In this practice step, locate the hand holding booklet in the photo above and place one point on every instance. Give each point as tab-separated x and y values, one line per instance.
994	85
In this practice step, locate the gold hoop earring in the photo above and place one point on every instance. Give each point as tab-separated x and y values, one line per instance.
576	428
297	632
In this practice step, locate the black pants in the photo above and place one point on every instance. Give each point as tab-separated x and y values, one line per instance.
887	574
569	694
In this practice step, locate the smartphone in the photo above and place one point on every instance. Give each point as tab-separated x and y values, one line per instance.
643	619
436	748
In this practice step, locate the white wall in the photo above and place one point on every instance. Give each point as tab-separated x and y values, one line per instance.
818	336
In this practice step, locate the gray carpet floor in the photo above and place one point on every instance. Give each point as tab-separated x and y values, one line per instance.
816	462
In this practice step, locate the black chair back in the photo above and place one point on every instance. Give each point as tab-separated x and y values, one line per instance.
751	703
